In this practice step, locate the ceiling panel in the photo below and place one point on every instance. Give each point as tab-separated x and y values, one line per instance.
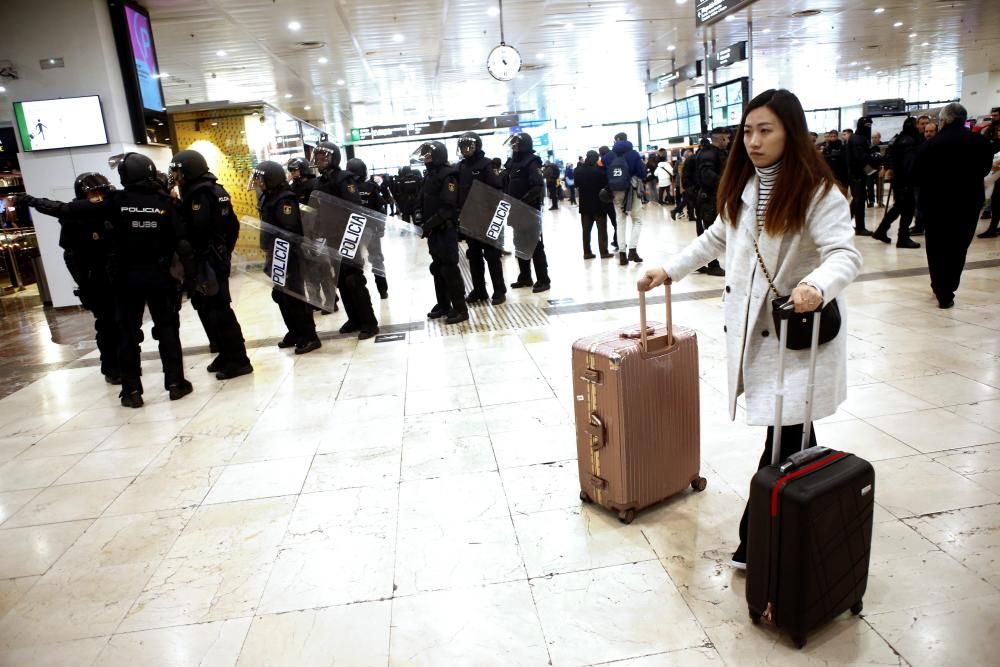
411	61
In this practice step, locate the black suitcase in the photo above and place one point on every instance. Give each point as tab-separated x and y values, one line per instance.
810	528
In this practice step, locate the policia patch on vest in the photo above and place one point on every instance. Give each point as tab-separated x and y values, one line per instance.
286	209
351	188
195	206
451	186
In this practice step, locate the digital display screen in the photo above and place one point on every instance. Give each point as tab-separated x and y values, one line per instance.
728	102
888	126
62	123
144	56
674	120
822	121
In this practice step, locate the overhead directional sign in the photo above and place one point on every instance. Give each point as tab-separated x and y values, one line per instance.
707	12
433	127
733	53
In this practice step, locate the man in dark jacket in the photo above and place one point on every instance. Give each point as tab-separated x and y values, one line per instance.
279	208
628	201
710	162
900	159
948	172
436	213
385	190
146	232
551	173
590	180
835	156
609	207
475	166
858	158
408	184
523	179
351	280
212	227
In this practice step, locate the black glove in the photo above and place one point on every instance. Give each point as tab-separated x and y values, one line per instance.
25	198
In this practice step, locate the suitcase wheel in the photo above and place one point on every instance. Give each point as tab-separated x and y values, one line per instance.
857	607
627	516
585	498
755	618
699	483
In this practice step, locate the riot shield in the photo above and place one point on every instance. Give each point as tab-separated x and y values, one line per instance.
288	262
353	233
487	211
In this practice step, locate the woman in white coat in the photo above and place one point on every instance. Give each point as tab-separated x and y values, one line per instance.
665	178
777	194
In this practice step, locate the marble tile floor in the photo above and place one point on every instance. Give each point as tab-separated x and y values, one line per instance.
416	502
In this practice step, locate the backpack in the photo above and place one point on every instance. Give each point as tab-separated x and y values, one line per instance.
619	177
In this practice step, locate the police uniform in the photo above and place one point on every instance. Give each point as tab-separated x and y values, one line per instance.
351	280
523	180
481	255
436	211
146	233
86	245
372	198
281	210
410	186
213	229
302	187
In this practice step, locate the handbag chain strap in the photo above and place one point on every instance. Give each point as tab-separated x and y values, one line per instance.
760	261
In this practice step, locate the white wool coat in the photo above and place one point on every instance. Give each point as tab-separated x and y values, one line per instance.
822	254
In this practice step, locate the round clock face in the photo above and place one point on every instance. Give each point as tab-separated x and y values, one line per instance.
504	63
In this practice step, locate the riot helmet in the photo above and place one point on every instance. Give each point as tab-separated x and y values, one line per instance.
91	181
267	176
520	143
326	155
133	168
469	144
357	167
300	167
405	170
432	153
188	166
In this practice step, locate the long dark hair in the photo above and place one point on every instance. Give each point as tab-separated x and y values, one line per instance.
804	172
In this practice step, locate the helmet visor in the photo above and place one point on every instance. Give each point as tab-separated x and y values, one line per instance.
321	158
116	160
467	147
424	153
256	180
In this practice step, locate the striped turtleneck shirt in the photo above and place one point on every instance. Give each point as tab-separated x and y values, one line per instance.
766	177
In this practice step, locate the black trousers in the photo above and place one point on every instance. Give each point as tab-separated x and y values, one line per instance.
791	442
297	316
482	256
553	191
904	208
707	214
353	288
158	291
587	220
870	181
994	209
681	203
572	194
540	261
221	326
449	288
100	301
613	219
858	202
947	242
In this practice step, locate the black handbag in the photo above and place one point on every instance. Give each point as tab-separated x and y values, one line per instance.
800	324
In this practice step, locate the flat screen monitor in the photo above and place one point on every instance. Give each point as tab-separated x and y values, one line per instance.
888	126
728	102
678	119
61	123
822	121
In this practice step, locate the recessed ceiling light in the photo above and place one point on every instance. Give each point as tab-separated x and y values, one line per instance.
925	44
897	24
879	10
340	82
671	48
306	107
397	38
215	124
288	96
2	89
681	2
854	63
294	25
767	30
913	34
568	26
539	56
492	11
221	53
323	60
730	18
867	68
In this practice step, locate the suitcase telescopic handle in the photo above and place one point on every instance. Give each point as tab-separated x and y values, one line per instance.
779	389
642	319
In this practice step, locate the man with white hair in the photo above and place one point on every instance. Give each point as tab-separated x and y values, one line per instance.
949	171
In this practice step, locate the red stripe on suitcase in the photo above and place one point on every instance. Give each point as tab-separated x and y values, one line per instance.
798	473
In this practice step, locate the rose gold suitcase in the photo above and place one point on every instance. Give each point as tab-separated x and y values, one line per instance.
637	415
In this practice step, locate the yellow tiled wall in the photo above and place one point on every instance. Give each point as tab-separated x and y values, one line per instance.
223	142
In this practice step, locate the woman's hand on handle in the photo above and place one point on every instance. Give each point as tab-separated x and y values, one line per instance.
653	279
806	298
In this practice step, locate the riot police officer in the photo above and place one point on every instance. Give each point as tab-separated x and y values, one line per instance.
279	208
145	235
351	280
86	245
436	213
410	184
212	227
386	188
475	166
523	180
371	198
302	179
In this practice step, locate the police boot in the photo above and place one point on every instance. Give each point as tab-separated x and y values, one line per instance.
437	311
216	365
234	371
179	390
308	346
131	393
477	296
383	286
288	341
456	316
